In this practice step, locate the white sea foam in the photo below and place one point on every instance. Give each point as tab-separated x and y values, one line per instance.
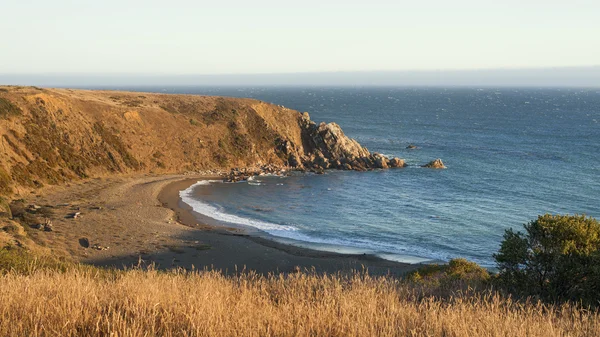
219	215
387	251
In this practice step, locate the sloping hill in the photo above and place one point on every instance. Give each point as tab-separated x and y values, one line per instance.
50	136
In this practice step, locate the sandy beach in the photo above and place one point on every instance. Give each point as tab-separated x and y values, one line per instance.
141	220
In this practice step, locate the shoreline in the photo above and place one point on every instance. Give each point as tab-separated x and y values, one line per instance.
291	256
140	221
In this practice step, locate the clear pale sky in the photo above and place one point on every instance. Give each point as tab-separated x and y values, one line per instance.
263	36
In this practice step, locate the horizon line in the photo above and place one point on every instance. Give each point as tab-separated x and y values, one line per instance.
312	72
587	77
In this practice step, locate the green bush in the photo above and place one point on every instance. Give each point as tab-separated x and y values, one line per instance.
556	259
458	273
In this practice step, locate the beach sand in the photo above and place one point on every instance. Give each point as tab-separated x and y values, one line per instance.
142	220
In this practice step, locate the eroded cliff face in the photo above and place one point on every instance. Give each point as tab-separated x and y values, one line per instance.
51	136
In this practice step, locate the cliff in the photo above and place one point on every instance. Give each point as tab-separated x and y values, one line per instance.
51	136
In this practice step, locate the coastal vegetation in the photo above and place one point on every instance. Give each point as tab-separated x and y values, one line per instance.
556	259
43	297
457	274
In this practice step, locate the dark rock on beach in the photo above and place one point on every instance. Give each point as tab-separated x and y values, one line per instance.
84	242
241	174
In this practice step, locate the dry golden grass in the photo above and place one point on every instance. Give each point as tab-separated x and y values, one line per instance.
85	301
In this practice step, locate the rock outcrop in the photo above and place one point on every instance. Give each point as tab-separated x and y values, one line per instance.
435	164
397	163
325	146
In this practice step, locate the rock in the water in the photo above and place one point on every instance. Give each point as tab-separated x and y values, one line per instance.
411	147
380	160
359	165
436	164
397	162
321	162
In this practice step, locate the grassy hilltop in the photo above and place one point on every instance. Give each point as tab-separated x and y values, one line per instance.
52	136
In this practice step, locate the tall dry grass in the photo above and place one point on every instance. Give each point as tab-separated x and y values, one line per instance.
151	303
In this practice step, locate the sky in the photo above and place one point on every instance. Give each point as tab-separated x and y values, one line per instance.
180	37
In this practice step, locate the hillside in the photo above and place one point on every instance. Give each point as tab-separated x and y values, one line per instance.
51	136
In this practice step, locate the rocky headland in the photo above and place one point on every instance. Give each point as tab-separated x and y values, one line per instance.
54	136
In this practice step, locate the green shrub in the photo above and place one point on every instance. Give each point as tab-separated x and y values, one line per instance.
556	259
458	273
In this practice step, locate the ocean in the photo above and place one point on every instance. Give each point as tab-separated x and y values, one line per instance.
511	155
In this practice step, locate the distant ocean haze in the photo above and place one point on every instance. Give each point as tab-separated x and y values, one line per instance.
583	76
511	154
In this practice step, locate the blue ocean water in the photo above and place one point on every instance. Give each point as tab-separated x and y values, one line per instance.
511	153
